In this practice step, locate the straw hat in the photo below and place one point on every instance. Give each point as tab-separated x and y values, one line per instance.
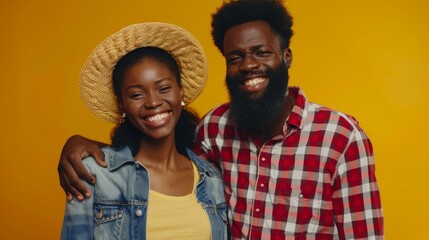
96	87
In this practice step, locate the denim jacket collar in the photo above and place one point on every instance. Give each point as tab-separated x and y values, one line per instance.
116	159
203	166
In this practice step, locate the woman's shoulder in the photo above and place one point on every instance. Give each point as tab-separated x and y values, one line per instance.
203	165
111	156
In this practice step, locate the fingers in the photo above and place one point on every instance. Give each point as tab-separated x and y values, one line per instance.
77	170
98	155
64	186
71	168
67	184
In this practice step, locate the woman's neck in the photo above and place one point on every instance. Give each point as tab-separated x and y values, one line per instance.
170	172
160	154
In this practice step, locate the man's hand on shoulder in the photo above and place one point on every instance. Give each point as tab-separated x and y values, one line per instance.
70	167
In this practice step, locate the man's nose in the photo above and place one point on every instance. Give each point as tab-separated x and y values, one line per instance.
249	63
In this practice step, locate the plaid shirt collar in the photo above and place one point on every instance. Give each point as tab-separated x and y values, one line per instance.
299	112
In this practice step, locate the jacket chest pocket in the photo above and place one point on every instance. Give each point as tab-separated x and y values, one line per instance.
297	210
108	220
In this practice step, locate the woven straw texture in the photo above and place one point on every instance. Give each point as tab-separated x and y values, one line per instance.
96	87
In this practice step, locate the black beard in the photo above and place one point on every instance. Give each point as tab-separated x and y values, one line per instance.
259	116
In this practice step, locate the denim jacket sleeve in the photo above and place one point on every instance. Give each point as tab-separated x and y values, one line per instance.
78	220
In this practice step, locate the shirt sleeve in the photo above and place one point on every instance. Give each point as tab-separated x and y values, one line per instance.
356	197
78	220
202	143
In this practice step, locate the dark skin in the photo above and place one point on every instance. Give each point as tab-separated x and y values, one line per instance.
151	99
71	169
248	46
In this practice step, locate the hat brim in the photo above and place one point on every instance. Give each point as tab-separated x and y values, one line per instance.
96	88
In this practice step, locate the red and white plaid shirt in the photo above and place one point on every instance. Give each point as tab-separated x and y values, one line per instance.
316	181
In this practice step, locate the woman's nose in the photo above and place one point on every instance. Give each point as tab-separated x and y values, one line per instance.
153	101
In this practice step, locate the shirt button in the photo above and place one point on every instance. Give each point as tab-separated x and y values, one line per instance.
262	185
139	213
263	159
301	195
257	210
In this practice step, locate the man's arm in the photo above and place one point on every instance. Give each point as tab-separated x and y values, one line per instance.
356	197
71	169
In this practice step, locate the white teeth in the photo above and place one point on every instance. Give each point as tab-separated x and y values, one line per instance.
253	82
157	117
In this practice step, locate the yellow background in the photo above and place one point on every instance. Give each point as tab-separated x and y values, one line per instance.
367	58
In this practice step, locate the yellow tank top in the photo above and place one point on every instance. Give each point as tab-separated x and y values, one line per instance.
172	217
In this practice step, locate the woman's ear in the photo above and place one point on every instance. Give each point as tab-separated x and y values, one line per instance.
121	112
181	93
288	57
120	106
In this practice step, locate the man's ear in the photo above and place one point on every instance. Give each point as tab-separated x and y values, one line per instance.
287	54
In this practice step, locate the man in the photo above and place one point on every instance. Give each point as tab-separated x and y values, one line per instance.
292	169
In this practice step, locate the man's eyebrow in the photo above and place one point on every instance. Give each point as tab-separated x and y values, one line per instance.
239	52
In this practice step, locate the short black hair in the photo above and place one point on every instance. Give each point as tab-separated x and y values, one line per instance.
240	11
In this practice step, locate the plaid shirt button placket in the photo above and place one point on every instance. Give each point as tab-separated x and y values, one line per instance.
317	181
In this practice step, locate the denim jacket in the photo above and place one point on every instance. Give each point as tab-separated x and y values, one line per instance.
118	205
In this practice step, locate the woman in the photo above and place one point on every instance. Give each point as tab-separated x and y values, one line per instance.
154	187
